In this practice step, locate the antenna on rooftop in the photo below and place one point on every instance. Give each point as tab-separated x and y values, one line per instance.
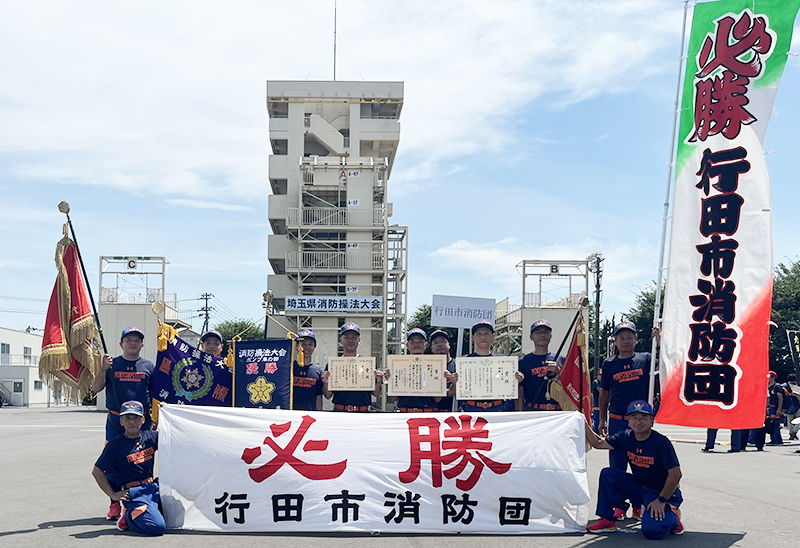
334	40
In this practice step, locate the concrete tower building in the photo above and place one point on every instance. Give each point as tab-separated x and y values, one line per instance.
334	255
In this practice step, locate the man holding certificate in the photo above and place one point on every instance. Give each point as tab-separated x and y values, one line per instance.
486	376
416	342
351	380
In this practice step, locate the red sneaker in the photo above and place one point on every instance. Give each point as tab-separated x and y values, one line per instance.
679	530
122	525
602	525
619	513
114	511
637	512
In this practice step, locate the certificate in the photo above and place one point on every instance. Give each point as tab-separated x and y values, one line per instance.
417	375
487	378
351	373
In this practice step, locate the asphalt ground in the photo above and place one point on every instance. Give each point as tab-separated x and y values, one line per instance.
49	498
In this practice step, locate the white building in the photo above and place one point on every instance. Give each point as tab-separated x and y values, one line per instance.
20	383
335	257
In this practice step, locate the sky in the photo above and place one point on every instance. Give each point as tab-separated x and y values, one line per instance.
530	130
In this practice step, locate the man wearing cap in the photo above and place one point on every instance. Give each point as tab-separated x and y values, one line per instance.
538	367
129	459
344	400
307	381
416	342
126	377
654	481
211	343
440	345
483	335
625	378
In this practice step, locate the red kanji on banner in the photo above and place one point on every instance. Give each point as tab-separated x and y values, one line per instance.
285	455
461	440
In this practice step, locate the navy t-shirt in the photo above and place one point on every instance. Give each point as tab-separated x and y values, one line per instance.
130	459
626	379
127	380
307	386
774	390
416	402
535	382
650	459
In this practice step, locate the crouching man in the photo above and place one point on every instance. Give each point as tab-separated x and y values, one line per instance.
653	483
130	459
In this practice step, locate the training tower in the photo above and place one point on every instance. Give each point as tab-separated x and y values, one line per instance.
335	258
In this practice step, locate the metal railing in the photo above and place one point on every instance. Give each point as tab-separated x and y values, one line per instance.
334	216
19	359
333	260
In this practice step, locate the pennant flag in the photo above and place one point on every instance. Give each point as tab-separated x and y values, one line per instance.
794	347
574	393
714	342
185	374
263	374
67	345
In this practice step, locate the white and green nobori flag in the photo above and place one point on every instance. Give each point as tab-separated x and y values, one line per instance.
714	353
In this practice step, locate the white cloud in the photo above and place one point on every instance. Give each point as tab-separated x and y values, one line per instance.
494	265
107	94
203	204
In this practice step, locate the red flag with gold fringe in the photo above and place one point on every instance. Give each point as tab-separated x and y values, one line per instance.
575	375
67	346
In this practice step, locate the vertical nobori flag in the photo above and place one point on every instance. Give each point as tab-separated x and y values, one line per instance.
714	358
263	374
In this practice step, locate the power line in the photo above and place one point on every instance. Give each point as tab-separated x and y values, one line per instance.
27	299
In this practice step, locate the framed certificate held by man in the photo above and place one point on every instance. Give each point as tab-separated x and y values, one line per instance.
351	374
417	375
487	378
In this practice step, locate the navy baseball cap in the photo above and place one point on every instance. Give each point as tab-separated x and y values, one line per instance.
640	406
541	323
211	333
307	334
350	327
440	333
131	330
625	325
417	331
482	323
132	407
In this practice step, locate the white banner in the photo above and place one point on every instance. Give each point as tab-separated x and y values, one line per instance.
304	303
273	470
715	332
448	311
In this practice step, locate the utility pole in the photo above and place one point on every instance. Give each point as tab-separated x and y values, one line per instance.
206	310
596	266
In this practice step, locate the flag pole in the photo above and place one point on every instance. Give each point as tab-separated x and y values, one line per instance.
584	304
63	207
665	218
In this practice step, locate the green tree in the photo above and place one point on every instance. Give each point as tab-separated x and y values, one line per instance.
786	314
246	329
642	315
421	318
